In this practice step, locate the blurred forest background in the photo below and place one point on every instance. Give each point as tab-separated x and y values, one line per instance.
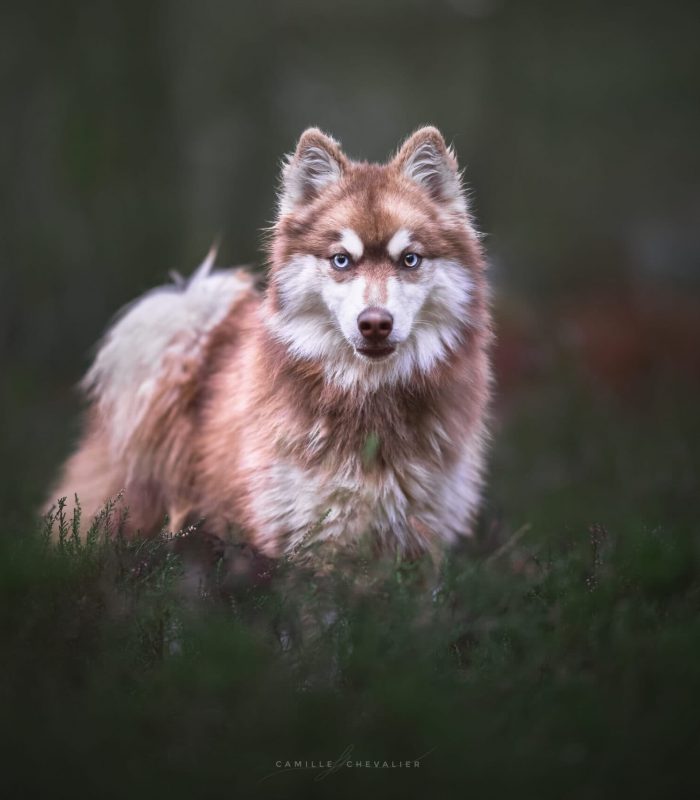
136	134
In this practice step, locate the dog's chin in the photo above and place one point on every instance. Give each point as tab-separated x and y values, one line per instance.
376	353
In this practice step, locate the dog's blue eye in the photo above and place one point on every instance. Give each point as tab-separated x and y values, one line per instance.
411	260
340	261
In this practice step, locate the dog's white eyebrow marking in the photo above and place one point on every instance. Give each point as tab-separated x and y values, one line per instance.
352	243
398	243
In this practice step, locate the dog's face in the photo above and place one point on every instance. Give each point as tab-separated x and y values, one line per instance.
373	266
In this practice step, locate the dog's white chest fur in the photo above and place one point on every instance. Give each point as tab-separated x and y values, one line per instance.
301	506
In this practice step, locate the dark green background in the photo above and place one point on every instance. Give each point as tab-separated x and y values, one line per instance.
134	134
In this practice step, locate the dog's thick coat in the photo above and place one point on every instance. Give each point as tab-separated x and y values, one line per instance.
274	412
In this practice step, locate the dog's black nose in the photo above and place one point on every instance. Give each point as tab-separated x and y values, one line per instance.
375	324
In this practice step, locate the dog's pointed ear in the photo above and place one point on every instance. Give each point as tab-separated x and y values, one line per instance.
317	162
428	161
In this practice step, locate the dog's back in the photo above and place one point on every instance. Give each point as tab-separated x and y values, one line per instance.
143	387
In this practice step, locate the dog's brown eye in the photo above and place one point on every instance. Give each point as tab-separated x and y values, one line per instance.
411	260
340	261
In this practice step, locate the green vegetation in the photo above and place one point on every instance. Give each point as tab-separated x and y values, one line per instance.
558	655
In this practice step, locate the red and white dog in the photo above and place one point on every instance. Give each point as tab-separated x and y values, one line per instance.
350	398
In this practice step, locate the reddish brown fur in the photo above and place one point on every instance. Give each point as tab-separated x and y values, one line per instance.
247	394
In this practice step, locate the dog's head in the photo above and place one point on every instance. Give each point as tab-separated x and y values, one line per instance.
373	267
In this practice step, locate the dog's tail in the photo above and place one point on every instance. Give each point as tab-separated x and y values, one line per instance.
143	380
154	349
202	271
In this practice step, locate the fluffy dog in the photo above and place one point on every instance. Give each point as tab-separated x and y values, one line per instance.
348	399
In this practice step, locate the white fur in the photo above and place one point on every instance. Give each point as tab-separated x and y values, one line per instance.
398	243
352	243
318	319
317	506
160	332
311	505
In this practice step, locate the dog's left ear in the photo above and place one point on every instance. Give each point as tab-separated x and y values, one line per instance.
426	159
316	163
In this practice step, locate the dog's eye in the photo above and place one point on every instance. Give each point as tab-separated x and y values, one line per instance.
340	261
411	260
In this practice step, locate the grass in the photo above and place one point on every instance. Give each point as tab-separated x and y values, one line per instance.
558	654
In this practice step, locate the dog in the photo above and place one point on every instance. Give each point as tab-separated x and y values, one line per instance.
350	398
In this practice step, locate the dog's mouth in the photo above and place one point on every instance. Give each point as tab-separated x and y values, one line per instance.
377	352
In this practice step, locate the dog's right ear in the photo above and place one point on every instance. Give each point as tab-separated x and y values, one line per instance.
317	162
